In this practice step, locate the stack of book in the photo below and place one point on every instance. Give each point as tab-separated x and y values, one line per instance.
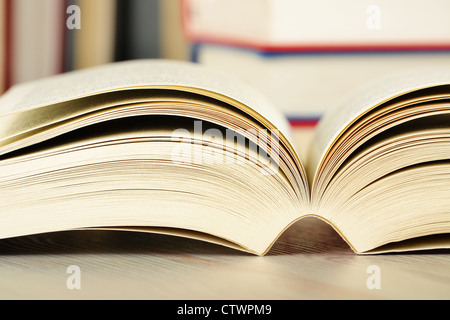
40	38
306	55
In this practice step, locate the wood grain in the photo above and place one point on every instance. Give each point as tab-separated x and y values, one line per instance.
309	261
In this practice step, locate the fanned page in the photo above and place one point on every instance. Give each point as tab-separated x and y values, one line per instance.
362	100
371	160
56	128
135	74
379	165
22	106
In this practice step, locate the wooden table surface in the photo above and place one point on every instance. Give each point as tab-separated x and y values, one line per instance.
309	261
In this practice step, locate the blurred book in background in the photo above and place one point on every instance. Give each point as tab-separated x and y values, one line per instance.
36	35
148	29
299	25
305	55
306	85
3	45
94	43
174	45
36	42
137	30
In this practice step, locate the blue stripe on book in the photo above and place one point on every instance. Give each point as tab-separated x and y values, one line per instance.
196	47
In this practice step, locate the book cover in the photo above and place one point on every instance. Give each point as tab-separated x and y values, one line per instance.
291	25
36	42
138	30
3	45
95	43
305	85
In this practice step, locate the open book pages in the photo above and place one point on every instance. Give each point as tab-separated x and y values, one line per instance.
196	156
177	148
380	158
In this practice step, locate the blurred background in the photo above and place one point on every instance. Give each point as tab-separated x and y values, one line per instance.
44	37
304	55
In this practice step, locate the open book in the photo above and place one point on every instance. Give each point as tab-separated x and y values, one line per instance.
173	147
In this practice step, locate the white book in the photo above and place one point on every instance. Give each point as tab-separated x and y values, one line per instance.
37	32
307	85
299	24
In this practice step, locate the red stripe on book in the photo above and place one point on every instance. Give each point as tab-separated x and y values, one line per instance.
316	47
303	122
9	44
63	36
185	16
